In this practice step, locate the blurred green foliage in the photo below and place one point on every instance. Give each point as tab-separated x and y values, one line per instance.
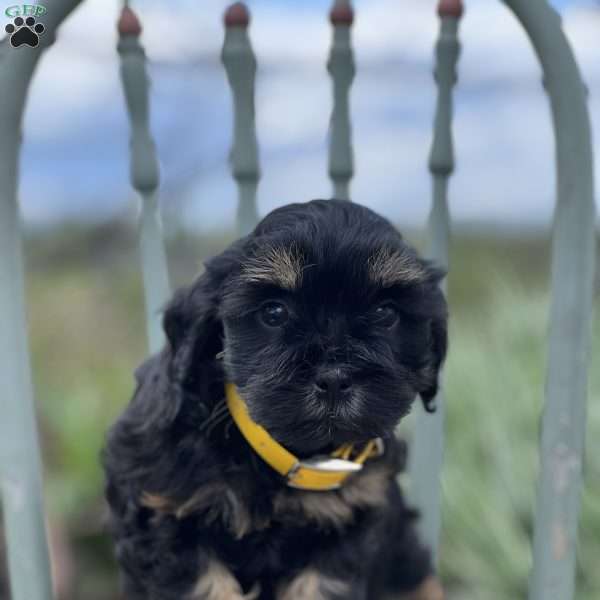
85	308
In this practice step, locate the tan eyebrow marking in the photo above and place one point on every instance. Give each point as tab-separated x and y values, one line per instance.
390	267
278	265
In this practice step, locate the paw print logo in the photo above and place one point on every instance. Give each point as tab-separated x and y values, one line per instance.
24	32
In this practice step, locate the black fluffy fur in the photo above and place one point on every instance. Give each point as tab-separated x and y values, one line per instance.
175	439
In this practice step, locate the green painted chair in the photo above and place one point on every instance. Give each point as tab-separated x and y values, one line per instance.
563	422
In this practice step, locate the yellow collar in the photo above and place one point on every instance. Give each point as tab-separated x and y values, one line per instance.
319	473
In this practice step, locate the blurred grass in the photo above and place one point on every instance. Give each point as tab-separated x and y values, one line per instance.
87	335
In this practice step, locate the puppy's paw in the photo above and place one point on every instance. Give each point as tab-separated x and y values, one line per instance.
430	589
312	585
218	583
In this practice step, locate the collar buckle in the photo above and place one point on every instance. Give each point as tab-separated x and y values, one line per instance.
326	464
330	473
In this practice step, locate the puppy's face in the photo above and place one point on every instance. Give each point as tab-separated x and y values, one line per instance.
331	324
328	325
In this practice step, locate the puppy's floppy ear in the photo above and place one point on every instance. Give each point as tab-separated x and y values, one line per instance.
438	337
191	320
438	346
193	329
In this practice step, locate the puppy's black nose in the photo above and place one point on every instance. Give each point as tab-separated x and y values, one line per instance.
332	382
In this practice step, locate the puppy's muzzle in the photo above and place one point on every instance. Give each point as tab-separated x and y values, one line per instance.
331	383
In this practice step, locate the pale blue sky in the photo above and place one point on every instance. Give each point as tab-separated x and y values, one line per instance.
75	162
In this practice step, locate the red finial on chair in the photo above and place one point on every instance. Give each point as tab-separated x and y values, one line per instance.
237	15
450	8
341	14
128	23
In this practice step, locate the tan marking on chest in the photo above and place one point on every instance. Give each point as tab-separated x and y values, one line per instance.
312	585
216	500
219	583
367	489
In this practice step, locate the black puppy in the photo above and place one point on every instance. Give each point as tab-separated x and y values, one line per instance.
329	325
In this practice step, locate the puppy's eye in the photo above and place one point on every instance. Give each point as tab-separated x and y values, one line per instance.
274	314
386	315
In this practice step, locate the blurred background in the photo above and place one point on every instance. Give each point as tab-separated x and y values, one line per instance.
84	288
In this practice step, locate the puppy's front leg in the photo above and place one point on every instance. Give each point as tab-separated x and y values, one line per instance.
310	584
219	583
430	589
